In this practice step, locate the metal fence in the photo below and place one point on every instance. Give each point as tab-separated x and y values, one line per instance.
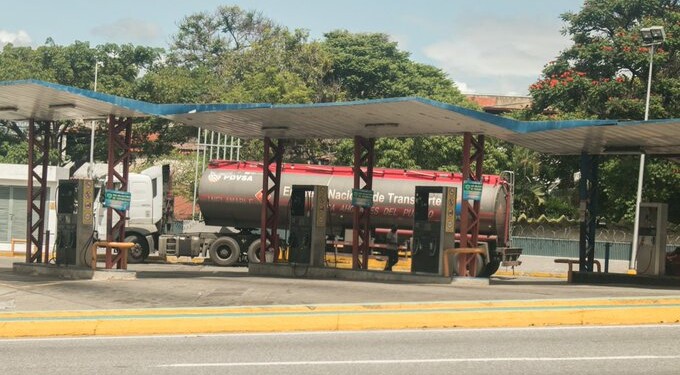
567	248
572	232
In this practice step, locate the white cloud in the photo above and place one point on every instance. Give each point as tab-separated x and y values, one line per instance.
19	38
464	88
401	40
129	30
510	51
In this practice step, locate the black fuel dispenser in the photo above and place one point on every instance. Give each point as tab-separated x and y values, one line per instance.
434	223
308	216
75	231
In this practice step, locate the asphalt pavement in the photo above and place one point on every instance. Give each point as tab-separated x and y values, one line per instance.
566	350
176	298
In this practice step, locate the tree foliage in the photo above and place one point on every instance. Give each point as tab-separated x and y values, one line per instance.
74	65
604	75
370	66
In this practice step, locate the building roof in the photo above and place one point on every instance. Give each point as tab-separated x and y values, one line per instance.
393	117
500	103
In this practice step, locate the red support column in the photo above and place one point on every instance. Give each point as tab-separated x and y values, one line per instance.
38	157
469	213
119	139
363	179
271	181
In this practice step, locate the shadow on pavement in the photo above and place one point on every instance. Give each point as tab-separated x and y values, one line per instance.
496	280
183	274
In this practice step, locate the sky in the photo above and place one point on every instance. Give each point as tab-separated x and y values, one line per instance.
494	47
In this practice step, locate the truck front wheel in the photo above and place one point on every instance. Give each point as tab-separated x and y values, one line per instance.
140	251
224	251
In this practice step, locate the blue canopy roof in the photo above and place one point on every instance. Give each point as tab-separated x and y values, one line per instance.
393	117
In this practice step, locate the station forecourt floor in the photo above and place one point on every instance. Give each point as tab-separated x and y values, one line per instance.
184	297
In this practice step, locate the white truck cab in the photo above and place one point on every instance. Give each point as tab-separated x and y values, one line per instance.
145	215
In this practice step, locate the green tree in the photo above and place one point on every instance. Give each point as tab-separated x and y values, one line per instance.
205	38
74	65
245	57
370	66
604	75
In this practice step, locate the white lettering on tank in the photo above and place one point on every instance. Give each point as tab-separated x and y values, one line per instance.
400	199
216	177
340	195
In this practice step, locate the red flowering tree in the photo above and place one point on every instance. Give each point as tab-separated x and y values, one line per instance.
604	75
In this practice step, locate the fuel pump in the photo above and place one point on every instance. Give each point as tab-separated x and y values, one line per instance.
432	234
651	256
308	216
75	230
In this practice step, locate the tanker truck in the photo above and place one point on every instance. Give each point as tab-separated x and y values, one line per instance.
230	196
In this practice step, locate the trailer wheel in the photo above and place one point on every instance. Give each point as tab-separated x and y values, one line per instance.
254	251
139	252
480	265
224	251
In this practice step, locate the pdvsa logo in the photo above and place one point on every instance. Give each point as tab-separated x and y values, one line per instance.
213	177
217	177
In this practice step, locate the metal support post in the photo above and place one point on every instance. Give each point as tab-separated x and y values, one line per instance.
198	152
473	162
363	179
271	182
119	141
588	195
38	157
641	172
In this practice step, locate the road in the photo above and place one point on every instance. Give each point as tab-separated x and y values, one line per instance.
193	285
564	350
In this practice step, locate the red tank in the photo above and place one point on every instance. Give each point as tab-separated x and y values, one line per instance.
230	194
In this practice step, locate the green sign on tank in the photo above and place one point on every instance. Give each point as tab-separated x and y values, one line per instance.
472	190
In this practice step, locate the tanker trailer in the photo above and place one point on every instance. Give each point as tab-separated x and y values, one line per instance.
230	195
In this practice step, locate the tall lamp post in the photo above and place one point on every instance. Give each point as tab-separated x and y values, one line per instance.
90	167
652	37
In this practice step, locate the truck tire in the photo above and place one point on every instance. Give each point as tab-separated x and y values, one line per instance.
254	252
140	251
480	266
224	251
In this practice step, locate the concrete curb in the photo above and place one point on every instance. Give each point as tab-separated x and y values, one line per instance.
553	275
341	317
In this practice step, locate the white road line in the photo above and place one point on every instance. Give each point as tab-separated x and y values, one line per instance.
422	361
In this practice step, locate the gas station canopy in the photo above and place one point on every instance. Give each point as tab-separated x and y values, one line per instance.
394	117
44	101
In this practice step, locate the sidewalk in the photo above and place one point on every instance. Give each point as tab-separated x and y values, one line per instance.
541	266
187	298
534	313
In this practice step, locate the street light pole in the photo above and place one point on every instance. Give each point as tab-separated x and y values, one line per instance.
653	36
90	167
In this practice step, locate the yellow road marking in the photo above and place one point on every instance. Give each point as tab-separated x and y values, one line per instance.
342	317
